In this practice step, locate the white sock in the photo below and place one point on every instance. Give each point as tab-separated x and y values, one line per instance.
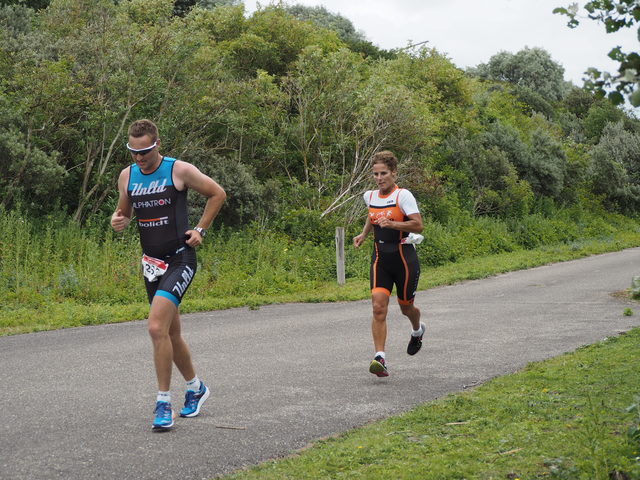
194	384
379	354
163	397
418	332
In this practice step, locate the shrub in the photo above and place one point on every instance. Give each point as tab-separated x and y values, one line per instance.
533	231
305	225
437	246
482	236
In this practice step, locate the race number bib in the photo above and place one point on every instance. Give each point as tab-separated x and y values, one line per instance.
152	268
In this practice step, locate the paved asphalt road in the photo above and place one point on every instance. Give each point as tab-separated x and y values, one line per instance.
78	403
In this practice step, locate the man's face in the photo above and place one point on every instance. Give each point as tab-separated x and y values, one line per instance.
144	151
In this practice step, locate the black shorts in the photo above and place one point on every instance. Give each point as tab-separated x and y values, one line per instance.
175	281
400	267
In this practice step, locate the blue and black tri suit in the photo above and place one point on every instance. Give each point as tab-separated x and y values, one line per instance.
161	212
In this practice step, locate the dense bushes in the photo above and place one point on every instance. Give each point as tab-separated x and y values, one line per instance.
475	237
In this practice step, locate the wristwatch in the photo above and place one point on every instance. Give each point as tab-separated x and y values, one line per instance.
201	231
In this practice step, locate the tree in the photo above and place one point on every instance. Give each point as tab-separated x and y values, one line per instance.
598	116
31	172
485	173
211	4
578	101
272	40
345	29
342	112
533	101
88	69
325	19
615	168
33	4
614	14
547	166
182	7
532	68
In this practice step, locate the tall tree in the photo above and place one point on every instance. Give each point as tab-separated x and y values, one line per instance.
532	68
325	19
345	29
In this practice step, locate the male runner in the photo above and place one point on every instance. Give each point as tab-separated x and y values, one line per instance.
155	188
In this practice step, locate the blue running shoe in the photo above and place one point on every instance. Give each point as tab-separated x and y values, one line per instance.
164	416
194	400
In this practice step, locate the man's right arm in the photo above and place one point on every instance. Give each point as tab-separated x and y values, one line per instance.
122	216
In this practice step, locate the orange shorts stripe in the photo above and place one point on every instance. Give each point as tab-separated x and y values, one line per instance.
406	273
406	302
381	290
375	264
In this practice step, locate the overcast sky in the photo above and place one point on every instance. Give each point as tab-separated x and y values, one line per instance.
469	32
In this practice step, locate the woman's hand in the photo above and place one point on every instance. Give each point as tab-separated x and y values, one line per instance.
357	240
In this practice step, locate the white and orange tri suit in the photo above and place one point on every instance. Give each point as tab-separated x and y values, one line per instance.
392	261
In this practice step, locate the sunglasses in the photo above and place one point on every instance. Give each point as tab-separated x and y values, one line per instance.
142	151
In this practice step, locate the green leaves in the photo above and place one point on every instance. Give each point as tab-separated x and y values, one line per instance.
571	11
615	15
616	54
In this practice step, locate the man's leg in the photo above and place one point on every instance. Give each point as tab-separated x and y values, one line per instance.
197	392
181	353
161	317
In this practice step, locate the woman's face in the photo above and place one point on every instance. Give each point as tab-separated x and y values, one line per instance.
385	178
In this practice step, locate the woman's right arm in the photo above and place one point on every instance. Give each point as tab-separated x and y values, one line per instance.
359	239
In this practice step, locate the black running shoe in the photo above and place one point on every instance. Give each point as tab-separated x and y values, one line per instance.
415	343
378	367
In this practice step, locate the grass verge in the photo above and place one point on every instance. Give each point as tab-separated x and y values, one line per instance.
51	316
571	417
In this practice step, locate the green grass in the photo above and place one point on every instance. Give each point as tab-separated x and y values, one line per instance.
219	286
563	418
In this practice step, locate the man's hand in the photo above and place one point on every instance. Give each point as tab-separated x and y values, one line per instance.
119	221
195	239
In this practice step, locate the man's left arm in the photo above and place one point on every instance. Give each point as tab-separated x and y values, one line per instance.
207	187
